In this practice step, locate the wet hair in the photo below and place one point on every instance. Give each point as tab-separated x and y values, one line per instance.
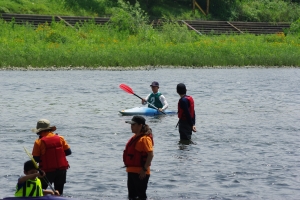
28	165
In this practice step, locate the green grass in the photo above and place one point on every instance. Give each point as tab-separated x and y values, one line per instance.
229	10
128	40
94	46
92	8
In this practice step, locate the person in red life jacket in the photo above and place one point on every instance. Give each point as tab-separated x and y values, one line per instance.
50	151
30	184
137	158
186	113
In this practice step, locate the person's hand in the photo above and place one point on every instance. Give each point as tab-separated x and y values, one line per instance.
142	174
41	174
194	129
160	109
56	193
143	101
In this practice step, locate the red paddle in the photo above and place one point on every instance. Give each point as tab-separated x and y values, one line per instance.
128	89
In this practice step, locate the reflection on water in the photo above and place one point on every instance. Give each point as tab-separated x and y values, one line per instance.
246	144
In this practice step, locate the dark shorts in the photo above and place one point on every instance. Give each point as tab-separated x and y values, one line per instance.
58	177
136	186
185	130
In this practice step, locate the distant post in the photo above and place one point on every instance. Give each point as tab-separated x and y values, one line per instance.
207	6
196	4
194	7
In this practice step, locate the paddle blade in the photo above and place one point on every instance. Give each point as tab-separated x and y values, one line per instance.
126	88
32	159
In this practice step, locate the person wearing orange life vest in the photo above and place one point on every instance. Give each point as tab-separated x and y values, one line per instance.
50	151
137	158
186	113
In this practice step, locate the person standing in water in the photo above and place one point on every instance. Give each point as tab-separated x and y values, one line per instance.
156	98
186	113
50	151
137	158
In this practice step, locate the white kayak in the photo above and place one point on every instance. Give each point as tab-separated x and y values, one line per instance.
145	111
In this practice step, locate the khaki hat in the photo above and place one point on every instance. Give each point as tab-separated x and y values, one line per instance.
43	125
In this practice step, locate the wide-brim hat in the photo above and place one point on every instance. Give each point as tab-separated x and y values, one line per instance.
43	125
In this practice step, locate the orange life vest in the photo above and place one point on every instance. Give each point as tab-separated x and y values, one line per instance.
54	157
132	157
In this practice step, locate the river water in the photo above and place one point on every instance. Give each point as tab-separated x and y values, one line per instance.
246	145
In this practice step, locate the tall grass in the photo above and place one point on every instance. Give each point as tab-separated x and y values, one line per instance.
229	10
128	40
92	45
58	7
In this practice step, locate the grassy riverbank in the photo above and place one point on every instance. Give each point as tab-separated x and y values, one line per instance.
129	40
229	10
93	46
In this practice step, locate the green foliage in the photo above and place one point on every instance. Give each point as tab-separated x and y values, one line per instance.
230	10
97	7
56	7
222	9
274	38
92	45
295	28
267	11
128	18
174	33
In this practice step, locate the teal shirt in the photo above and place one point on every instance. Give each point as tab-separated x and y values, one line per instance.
154	99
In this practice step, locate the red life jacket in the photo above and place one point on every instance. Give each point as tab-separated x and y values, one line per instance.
132	157
181	114
54	157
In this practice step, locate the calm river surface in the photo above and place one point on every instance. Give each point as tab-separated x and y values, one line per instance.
246	147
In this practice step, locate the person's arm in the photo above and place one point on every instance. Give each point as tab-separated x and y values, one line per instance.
36	151
65	146
144	101
149	159
147	164
145	145
164	102
25	178
68	152
37	159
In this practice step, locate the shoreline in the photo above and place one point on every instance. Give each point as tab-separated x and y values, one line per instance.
71	68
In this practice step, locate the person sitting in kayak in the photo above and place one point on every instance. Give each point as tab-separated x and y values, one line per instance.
30	185
156	98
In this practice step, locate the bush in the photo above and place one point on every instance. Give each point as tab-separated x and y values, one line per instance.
267	11
128	18
295	28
